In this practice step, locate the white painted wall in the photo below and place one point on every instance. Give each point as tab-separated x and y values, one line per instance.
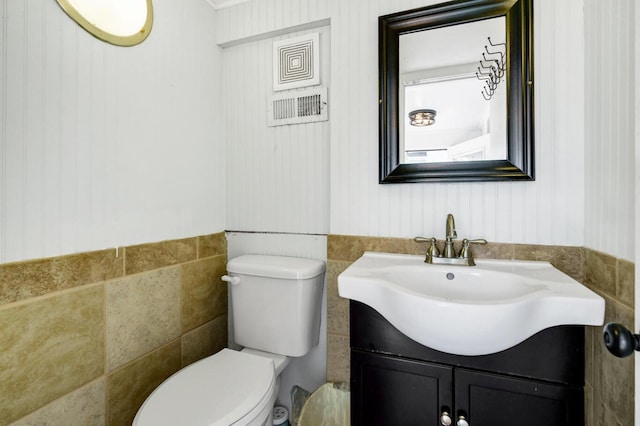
550	210
104	146
610	124
277	176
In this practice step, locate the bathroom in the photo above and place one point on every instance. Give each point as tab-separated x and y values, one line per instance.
128	177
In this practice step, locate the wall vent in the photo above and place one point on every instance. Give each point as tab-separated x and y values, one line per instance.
304	106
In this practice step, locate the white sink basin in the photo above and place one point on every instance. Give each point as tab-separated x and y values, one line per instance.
469	310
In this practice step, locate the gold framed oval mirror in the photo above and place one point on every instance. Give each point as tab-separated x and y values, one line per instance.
119	22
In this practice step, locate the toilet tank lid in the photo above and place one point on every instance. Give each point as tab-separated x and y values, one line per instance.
285	267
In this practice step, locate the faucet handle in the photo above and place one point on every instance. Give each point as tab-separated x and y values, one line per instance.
432	251
465	251
422	239
481	241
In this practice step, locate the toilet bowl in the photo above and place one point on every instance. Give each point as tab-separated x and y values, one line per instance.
228	388
276	312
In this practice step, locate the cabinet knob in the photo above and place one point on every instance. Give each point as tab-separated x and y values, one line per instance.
445	419
462	421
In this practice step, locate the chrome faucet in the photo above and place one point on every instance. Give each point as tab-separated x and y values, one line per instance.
448	255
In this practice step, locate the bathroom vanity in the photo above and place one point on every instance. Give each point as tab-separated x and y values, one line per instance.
397	381
500	343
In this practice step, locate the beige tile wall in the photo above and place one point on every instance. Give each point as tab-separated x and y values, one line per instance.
85	338
609	387
610	380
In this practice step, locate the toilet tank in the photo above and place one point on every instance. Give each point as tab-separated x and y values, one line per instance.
276	302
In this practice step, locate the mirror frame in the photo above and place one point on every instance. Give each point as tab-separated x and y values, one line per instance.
519	164
101	34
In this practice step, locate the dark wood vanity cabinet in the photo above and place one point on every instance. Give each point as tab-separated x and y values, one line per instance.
389	390
396	381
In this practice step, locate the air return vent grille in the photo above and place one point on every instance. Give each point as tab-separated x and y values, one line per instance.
304	106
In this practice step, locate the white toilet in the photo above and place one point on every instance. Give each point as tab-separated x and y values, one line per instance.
276	304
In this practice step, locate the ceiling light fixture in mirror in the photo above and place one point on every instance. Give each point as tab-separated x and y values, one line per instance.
119	22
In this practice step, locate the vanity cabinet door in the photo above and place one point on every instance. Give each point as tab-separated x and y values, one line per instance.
390	391
490	399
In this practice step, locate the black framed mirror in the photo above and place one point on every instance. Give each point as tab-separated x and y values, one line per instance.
504	69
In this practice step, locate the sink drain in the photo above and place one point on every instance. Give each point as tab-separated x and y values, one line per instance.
450	276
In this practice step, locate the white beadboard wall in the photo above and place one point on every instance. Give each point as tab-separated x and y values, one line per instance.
550	210
277	176
540	212
610	125
105	146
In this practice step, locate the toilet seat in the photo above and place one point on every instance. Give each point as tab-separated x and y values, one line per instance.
228	388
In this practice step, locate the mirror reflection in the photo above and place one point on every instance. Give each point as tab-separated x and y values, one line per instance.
472	114
453	102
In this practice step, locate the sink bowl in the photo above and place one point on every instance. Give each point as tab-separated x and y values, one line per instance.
475	310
